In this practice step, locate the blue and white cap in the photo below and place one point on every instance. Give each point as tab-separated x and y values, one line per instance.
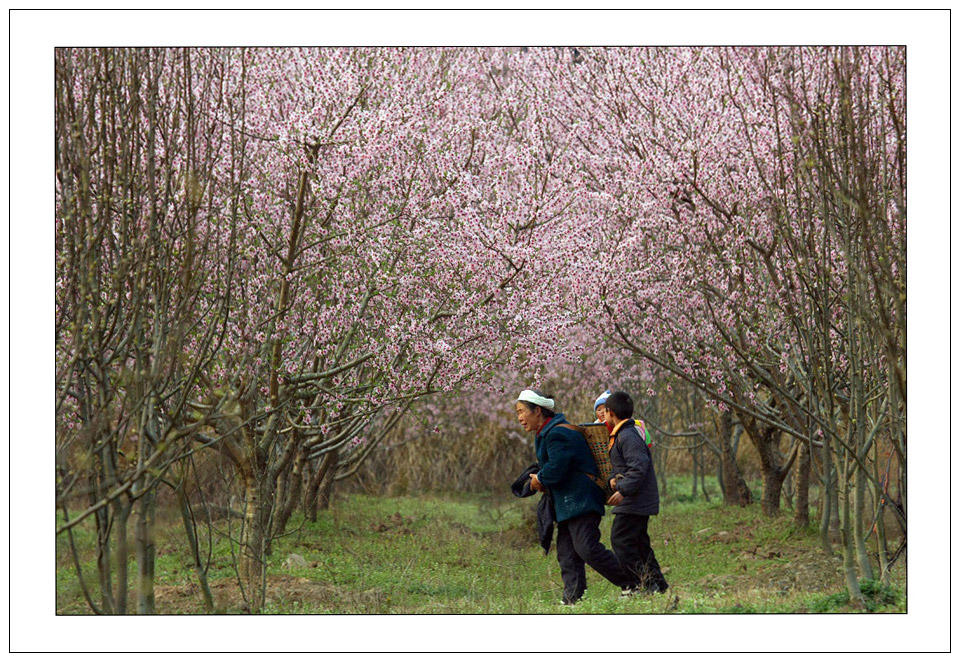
603	398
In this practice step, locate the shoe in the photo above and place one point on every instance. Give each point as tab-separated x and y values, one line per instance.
568	602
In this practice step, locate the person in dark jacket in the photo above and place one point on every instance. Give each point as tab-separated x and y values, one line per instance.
636	498
565	460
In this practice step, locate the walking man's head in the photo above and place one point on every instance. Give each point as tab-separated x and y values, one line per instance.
619	407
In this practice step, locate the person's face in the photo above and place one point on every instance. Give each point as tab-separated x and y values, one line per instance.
601	412
529	420
607	416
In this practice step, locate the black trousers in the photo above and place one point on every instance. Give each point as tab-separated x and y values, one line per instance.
631	544
578	542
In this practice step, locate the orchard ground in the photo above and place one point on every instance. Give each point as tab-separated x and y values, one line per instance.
477	554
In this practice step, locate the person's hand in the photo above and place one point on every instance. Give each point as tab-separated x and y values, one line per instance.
535	484
616	499
613	483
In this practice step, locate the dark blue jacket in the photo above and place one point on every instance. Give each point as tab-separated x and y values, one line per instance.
631	459
565	460
545	516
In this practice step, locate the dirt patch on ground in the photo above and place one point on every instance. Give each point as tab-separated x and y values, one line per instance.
776	569
285	594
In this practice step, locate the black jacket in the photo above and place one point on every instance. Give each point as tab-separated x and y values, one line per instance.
545	514
638	483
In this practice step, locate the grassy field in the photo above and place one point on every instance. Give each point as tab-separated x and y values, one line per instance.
477	554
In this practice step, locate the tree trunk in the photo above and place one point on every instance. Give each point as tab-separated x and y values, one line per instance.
703	481
848	544
122	516
292	493
788	489
146	553
696	467
104	569
325	492
860	514
104	526
311	498
252	561
735	490
880	528
772	486
189	528
801	516
766	439
828	498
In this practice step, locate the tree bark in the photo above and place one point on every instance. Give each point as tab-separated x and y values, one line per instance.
801	516
766	439
325	492
121	517
189	528
828	497
311	498
292	493
146	553
848	545
252	565
860	514
735	490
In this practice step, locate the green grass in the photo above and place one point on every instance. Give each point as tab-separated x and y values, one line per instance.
477	554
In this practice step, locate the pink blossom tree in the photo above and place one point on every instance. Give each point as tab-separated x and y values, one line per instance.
278	252
737	187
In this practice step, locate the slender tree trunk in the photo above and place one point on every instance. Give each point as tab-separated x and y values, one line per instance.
100	485
736	492
189	528
847	543
880	527
325	492
835	501
703	479
146	553
860	514
292	493
121	517
828	497
104	569
260	484
788	489
801	516
328	465
252	568
695	463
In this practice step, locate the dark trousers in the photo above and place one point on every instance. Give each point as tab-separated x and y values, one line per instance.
631	544
578	542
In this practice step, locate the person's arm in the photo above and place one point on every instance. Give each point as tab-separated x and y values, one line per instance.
560	453
637	459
